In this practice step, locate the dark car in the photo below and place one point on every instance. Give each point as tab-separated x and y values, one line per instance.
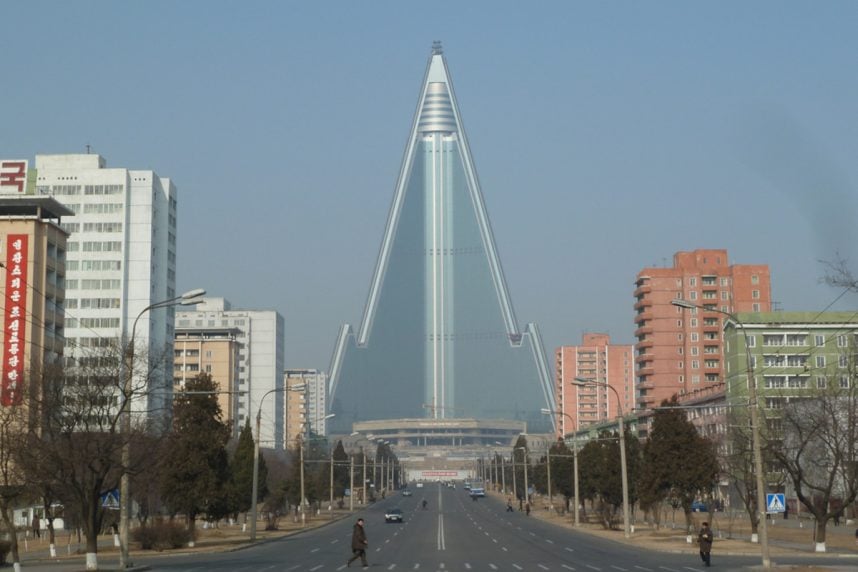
393	515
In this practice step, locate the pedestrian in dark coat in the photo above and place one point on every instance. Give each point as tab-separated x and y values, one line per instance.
704	539
359	544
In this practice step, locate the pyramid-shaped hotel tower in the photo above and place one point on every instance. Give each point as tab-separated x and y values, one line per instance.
439	338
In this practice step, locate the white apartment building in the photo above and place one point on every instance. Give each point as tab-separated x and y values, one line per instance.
120	258
260	335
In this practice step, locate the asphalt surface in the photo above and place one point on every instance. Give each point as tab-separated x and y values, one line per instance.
453	533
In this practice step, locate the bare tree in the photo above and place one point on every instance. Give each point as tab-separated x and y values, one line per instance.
815	440
12	478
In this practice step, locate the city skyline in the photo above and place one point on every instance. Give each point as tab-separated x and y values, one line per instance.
632	134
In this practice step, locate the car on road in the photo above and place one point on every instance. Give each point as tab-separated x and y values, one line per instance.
478	492
407	493
393	515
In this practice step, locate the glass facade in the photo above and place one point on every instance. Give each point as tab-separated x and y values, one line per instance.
439	337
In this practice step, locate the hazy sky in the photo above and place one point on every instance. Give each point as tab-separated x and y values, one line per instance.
607	136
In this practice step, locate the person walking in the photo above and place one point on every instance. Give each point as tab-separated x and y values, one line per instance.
359	544
704	539
509	505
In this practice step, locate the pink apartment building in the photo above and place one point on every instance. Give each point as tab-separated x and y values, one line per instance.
595	359
678	350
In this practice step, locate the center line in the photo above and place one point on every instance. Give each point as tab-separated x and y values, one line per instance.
517	567
543	566
593	567
568	549
314	550
567	567
492	566
317	567
549	541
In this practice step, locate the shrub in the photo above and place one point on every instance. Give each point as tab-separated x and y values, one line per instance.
5	547
162	536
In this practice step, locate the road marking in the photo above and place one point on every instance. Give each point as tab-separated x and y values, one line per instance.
495	540
517	567
567	549
441	565
567	567
695	569
620	569
378	549
334	541
504	549
292	567
442	541
492	566
543	566
593	567
532	534
668	569
467	566
391	567
642	568
314	550
549	541
486	533
317	567
341	567
386	541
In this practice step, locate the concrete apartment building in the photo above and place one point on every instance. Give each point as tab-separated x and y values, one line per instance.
307	406
260	340
33	255
120	258
213	351
677	350
597	359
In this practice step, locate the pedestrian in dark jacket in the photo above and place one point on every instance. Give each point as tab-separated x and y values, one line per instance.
704	539
359	544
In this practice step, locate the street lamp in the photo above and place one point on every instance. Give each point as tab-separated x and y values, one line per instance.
755	428
190	297
526	488
574	460
582	382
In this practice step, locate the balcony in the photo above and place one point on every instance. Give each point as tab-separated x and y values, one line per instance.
645	370
643	331
644	344
642	290
644	303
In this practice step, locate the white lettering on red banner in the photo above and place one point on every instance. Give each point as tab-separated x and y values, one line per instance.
11	384
13	176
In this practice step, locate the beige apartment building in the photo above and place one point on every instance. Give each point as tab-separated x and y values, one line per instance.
32	284
213	351
612	369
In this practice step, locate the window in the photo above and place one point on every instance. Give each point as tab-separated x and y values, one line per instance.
755	294
820	361
695	350
680	351
842	361
773	340
725	281
695	364
711	363
797	360
821	382
775	381
692	281
774	360
725	295
755	279
710	349
841	341
680	364
844	381
694	336
752	341
693	322
755	307
692	295
819	340
695	379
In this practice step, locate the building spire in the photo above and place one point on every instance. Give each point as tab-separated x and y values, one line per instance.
437	50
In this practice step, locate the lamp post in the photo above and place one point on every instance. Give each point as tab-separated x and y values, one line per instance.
755	429
580	381
574	461
190	297
254	495
526	488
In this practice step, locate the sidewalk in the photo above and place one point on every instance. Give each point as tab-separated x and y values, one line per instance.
732	535
224	538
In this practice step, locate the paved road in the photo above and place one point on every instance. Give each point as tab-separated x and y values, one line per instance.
453	534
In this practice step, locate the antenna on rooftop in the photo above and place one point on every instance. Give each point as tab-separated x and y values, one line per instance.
436	48
88	148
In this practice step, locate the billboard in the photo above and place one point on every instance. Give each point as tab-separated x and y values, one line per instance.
15	321
13	176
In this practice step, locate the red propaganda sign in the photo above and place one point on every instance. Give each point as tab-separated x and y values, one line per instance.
15	311
13	176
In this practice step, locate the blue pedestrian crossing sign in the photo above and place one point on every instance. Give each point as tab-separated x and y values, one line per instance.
110	500
775	502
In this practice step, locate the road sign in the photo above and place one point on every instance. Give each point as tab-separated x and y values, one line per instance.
775	503
110	500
